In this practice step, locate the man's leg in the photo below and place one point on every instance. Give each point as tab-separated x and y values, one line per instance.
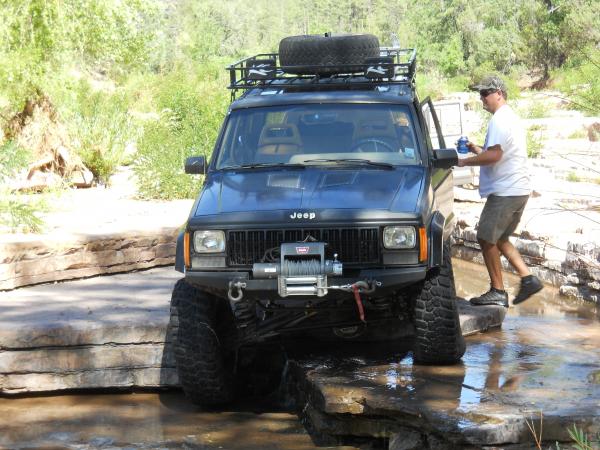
487	235
513	256
496	295
491	256
530	284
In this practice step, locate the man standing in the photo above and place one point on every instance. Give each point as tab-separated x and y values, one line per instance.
504	181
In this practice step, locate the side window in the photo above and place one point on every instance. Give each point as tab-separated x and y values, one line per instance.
433	126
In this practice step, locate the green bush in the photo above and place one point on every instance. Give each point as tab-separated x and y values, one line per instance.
103	127
17	212
534	143
580	133
192	104
580	82
535	110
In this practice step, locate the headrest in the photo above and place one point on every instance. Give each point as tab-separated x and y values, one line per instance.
279	133
375	128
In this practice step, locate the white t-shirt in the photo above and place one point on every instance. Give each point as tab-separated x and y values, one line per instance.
510	175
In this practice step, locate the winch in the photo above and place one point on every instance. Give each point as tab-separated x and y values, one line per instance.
301	270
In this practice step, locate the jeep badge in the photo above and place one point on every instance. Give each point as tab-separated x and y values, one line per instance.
301	215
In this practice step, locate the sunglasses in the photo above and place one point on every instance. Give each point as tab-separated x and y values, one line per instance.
486	92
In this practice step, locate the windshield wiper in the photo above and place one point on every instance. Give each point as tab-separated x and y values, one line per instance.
352	161
261	165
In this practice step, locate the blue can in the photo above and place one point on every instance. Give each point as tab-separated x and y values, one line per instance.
461	145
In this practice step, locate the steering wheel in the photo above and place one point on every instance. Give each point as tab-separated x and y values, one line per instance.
379	145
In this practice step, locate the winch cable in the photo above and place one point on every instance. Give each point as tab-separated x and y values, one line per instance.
310	267
359	304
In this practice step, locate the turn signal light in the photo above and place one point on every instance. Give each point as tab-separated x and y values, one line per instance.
186	250
422	245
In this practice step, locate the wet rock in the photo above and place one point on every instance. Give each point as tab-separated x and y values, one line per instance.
580	293
406	439
101	441
478	319
64	258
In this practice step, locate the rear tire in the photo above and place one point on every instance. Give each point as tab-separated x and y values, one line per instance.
438	337
298	52
204	363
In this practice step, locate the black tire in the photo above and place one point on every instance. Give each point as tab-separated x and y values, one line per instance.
438	337
298	52
204	363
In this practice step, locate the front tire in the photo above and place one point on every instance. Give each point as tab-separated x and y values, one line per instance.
438	337
204	363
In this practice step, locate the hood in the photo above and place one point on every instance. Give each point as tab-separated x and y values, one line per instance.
312	188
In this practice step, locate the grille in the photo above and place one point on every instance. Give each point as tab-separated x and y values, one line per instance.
353	245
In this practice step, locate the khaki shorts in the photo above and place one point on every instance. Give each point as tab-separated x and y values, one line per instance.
500	217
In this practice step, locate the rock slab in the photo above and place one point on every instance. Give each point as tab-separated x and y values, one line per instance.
28	262
109	332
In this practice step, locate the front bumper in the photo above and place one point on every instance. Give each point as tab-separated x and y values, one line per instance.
391	279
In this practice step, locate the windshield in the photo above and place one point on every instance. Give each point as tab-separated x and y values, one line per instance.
319	135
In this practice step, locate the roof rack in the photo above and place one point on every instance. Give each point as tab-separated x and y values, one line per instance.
393	66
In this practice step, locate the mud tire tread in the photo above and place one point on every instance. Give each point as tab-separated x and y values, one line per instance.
438	336
199	354
298	52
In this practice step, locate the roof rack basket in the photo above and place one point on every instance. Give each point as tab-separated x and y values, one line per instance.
393	66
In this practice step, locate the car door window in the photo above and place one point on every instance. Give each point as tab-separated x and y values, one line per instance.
433	129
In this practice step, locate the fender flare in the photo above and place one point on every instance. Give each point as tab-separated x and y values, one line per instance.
436	239
179	263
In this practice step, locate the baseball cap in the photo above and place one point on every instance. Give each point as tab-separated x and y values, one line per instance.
492	82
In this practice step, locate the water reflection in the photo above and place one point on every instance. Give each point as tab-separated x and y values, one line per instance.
542	358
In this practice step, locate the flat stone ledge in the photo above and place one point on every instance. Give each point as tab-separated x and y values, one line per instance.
27	262
101	332
479	319
429	407
110	332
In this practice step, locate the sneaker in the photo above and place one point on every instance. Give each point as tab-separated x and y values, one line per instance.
529	286
492	297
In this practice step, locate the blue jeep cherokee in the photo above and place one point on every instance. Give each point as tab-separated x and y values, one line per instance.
326	209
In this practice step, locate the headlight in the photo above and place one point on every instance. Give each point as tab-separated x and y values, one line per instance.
209	241
399	237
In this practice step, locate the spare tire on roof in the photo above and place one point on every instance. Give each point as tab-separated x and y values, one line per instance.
330	52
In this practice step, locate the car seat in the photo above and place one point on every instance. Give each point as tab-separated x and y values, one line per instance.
279	139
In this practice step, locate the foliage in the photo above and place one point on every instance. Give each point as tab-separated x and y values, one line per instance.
554	30
165	59
16	211
580	133
534	143
535	110
103	128
572	176
580	81
192	103
582	441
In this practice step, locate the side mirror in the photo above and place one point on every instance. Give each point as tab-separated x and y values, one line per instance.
444	158
195	165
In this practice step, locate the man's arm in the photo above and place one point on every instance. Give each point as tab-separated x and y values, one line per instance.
491	156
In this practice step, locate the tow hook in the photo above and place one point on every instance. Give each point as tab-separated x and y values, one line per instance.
364	287
359	305
357	288
237	286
